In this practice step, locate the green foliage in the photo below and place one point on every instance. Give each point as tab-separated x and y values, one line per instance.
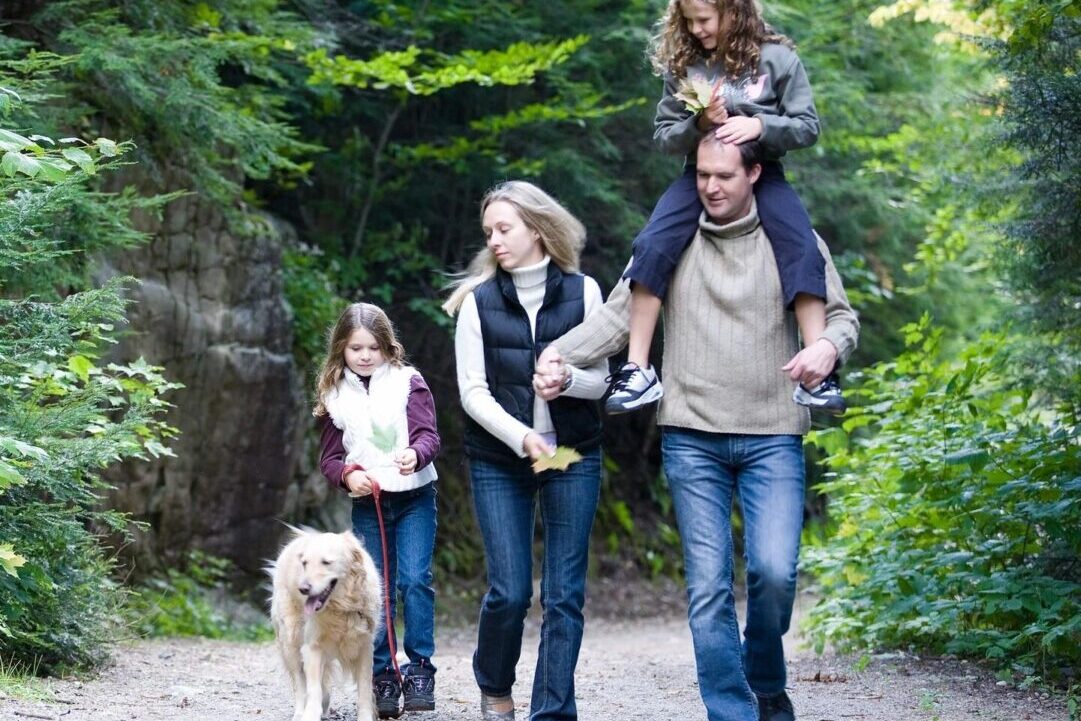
193	602
1041	118
201	82
65	412
518	64
313	298
957	512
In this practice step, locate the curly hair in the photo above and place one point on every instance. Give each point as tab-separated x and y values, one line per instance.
358	315
673	48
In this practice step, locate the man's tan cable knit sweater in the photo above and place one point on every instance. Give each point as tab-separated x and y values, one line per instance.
726	334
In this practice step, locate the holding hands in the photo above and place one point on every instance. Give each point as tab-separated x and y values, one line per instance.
550	375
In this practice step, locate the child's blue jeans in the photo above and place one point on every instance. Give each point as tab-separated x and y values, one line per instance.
674	222
409	517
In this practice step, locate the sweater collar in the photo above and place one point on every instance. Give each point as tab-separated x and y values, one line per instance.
740	228
358	383
531	276
549	273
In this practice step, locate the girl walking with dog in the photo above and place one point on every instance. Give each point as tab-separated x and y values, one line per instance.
523	290
378	432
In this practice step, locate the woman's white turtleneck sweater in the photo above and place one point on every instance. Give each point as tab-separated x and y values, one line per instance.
477	400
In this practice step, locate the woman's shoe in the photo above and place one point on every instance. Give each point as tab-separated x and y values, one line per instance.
487	713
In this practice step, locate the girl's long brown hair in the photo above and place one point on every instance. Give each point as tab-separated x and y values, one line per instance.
359	315
673	48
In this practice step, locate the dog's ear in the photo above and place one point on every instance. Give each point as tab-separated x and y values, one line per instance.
356	548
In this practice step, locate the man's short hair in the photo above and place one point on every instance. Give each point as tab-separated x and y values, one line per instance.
750	153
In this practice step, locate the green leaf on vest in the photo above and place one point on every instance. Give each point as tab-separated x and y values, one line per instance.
384	437
558	461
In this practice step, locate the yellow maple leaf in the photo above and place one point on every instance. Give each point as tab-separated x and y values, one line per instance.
695	94
558	461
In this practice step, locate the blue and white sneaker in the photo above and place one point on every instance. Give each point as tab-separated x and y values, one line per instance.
630	388
826	396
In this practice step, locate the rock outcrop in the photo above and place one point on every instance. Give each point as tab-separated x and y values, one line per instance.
210	309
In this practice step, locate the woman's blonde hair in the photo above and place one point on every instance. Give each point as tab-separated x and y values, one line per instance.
673	48
561	234
358	315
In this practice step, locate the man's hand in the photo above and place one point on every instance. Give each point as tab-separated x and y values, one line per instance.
739	129
535	446
406	461
359	483
812	364
550	374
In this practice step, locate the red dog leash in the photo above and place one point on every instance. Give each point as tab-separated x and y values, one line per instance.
386	571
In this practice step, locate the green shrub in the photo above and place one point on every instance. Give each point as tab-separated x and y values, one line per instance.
195	602
65	413
955	511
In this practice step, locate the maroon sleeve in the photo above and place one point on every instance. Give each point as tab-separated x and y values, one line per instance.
331	451
420	413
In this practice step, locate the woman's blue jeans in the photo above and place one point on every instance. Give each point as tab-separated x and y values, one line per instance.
506	499
410	520
704	472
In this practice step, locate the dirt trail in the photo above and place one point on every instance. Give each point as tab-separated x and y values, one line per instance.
634	669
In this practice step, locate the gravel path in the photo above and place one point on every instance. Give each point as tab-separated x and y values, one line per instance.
629	670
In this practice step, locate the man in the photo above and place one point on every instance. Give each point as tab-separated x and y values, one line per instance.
729	424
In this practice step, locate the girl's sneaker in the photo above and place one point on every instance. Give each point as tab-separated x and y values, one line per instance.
388	692
630	388
419	687
826	397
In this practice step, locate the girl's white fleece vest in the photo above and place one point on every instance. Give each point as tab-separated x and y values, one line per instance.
374	425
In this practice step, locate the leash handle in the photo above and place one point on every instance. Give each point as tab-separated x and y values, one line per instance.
391	642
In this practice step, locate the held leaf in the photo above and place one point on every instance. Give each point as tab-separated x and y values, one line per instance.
695	94
559	461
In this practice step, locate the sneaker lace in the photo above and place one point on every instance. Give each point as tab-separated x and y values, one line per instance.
387	689
618	381
420	683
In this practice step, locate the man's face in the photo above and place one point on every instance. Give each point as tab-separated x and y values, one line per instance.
725	187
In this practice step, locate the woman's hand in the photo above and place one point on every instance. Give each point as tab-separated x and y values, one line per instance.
359	483
739	129
536	447
406	461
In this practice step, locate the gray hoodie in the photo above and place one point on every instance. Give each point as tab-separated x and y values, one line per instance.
779	95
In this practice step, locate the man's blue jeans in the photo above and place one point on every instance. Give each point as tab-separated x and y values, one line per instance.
409	517
506	498
704	472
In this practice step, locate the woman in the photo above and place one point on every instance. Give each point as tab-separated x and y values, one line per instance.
523	290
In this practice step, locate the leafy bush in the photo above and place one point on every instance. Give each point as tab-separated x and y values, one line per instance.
195	602
956	513
65	413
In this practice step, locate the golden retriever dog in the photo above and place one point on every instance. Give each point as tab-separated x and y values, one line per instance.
326	606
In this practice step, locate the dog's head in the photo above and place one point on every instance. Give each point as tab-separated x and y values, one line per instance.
325	560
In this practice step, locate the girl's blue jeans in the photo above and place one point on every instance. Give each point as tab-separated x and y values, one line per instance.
704	472
674	222
410	520
506	499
